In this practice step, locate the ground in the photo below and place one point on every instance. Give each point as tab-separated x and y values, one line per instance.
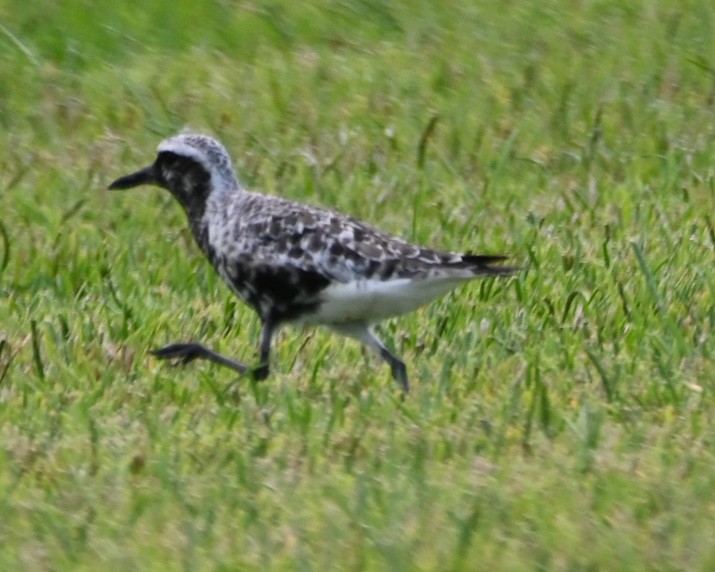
559	420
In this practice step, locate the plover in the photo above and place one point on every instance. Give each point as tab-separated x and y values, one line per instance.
297	263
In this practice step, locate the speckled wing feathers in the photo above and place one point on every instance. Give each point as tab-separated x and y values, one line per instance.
271	230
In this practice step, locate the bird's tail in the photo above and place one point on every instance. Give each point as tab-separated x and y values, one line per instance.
487	265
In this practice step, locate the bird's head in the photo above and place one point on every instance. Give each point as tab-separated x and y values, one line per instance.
190	166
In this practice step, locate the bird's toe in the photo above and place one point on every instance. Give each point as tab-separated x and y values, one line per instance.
184	352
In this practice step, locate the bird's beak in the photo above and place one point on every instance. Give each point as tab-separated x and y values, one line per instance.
144	177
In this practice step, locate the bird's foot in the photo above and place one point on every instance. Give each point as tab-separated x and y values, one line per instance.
260	372
187	352
183	352
399	374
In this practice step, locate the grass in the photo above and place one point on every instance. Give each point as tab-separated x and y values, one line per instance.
561	420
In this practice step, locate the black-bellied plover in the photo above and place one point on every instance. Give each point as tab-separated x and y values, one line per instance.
293	262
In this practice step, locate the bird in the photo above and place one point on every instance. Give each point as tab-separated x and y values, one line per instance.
295	263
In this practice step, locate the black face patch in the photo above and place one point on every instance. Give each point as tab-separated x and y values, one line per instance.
185	178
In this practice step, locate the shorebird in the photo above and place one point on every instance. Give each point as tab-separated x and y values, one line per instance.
296	263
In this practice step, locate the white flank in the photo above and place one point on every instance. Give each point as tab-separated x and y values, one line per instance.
370	301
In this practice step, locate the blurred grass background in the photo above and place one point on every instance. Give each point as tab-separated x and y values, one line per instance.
561	420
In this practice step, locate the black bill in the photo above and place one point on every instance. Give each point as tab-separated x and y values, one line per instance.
143	177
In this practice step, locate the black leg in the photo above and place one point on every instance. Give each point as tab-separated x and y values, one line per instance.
188	352
398	368
364	333
267	329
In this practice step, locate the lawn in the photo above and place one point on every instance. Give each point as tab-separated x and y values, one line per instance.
563	419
